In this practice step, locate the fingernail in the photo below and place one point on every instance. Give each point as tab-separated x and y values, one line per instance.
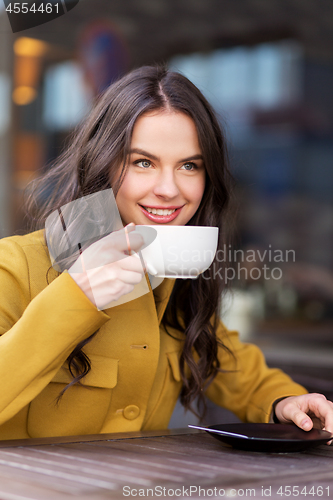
306	425
130	224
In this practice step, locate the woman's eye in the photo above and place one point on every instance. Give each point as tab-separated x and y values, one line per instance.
189	166
143	163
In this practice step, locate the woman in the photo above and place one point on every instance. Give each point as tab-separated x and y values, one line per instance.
70	366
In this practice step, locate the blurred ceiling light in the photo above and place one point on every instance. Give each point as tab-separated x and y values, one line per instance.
27	70
24	95
25	46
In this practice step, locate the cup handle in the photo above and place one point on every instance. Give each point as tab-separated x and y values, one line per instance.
149	267
152	270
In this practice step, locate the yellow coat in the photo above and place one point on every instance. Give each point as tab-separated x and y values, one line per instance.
134	382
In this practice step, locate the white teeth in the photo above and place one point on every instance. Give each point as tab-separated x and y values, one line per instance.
159	211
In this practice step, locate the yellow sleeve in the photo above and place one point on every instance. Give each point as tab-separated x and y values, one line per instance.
246	386
37	332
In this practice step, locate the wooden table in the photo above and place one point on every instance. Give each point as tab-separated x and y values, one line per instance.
166	464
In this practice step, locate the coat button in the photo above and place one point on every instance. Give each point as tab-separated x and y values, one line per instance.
131	412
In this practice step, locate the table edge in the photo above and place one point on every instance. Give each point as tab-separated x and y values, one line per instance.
89	438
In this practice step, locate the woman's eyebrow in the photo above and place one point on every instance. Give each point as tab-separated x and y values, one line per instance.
194	157
144	153
150	155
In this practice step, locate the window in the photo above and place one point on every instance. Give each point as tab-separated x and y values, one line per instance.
66	99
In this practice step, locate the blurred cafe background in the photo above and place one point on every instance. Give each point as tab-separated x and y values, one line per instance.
267	68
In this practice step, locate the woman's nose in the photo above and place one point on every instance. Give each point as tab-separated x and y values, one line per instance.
166	186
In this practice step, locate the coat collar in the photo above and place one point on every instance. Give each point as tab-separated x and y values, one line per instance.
162	295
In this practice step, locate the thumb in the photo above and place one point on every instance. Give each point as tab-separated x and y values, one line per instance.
288	410
303	421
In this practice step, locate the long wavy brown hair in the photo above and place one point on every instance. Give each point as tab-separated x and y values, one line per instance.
91	163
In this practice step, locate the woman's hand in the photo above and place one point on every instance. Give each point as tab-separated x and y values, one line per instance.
307	411
105	271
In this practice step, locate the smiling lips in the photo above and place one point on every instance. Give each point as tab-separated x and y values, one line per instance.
161	215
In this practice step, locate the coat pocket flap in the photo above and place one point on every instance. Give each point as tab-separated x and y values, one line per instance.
103	373
173	358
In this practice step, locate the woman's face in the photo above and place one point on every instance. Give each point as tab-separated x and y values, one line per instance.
165	179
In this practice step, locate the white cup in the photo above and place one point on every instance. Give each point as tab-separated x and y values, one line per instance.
178	251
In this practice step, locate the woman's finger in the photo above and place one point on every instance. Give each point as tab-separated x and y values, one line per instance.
132	263
130	277
301	419
123	242
300	409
